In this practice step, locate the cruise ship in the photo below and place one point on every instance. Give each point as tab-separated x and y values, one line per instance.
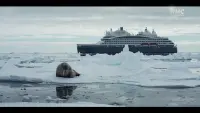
148	43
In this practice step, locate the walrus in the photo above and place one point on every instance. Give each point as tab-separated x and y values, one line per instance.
64	70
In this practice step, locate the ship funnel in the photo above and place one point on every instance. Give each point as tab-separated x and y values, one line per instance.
121	28
145	29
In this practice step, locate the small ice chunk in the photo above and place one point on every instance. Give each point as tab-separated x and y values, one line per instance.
48	99
27	99
172	105
57	100
27	85
33	97
23	94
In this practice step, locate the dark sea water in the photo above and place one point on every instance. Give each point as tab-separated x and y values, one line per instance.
112	94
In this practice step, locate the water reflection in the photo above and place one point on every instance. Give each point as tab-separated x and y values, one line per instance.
64	92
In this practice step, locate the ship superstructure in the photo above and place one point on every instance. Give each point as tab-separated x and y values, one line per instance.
114	41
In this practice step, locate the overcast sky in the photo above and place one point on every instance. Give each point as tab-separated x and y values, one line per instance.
88	11
87	20
28	23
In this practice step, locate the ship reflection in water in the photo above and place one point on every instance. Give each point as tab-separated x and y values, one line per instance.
65	92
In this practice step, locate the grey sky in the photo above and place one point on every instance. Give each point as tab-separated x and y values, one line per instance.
89	11
89	23
95	20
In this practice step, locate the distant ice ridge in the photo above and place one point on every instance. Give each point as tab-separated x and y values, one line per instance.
47	59
76	104
124	68
13	78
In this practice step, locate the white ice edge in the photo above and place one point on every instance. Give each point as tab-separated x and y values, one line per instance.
76	104
124	68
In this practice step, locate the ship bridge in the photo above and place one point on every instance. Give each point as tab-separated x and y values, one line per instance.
121	32
146	33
